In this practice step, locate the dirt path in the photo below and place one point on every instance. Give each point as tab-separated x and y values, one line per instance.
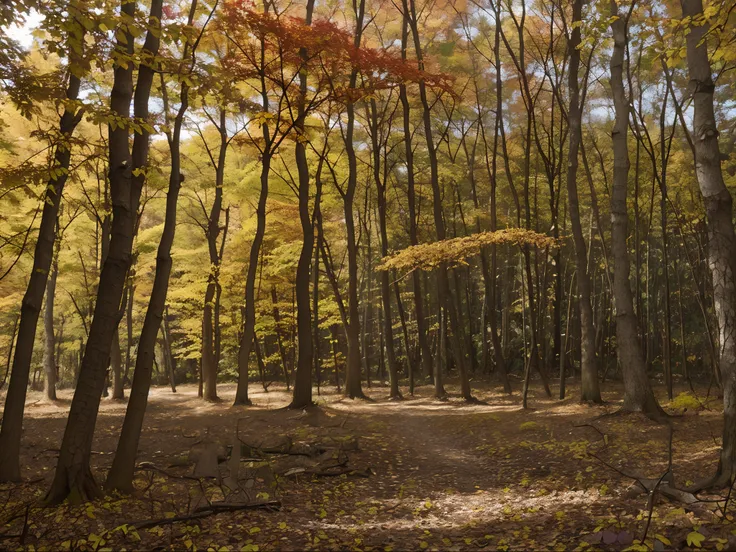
443	475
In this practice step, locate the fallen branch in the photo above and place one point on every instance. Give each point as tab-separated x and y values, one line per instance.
649	485
343	471
209	510
148	466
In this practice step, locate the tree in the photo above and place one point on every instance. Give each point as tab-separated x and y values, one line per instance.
638	395
352	374
121	473
302	397
719	213
12	421
443	284
588	366
73	478
379	139
261	62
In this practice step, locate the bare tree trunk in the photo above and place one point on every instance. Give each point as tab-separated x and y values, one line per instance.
315	279
249	313
129	329
388	330
10	351
116	367
563	352
589	389
171	367
681	313
638	395
277	322
409	367
49	354
721	238
496	339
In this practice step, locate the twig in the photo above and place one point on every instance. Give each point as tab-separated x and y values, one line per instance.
603	435
651	505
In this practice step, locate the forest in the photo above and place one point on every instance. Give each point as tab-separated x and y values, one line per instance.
368	275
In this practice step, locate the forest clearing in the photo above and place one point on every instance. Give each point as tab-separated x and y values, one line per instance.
373	275
427	475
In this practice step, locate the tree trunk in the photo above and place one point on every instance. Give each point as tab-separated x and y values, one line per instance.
315	286
249	312
721	238
352	374
49	353
12	420
681	313
638	395
11	346
563	352
209	357
73	477
121	473
302	397
277	323
116	367
589	389
425	354
129	329
440	363
443	285
171	363
388	330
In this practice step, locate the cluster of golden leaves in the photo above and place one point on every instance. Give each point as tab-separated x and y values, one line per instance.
456	251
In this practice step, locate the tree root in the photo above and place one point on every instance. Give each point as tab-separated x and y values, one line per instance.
721	479
474	400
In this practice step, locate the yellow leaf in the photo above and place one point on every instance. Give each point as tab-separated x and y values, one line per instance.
695	539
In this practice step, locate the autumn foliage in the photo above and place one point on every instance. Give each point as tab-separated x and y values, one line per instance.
456	251
272	46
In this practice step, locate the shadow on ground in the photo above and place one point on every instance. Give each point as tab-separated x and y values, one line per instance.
444	475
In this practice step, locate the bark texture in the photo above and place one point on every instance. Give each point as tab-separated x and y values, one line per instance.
721	238
49	352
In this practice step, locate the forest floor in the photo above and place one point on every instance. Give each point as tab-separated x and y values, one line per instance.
414	474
